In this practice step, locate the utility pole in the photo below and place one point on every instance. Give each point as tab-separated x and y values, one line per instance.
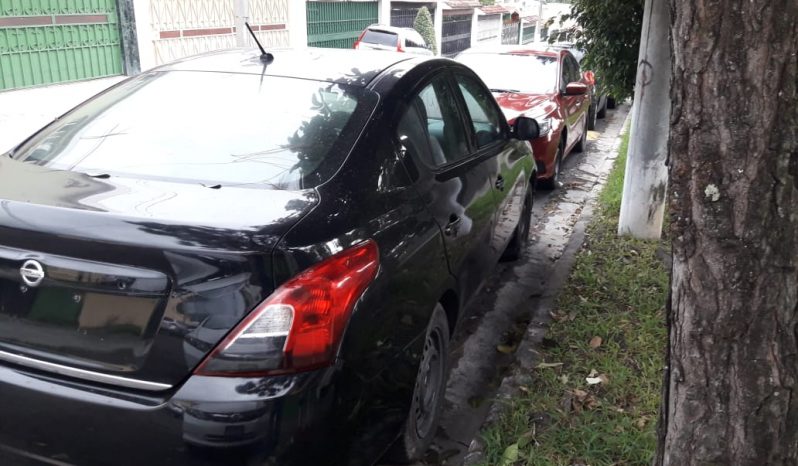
539	24
646	178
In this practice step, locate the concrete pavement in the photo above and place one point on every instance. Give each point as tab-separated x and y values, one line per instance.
24	111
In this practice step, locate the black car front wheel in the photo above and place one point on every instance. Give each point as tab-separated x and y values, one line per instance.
425	412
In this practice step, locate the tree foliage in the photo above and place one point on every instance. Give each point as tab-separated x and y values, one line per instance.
609	33
423	24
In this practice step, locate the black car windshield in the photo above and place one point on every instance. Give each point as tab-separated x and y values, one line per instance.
218	129
531	74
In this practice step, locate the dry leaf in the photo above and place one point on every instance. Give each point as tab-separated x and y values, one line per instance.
641	422
506	349
593	373
564	379
546	365
595	342
597	380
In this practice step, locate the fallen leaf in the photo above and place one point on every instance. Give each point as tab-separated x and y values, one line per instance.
597	380
595	342
641	422
510	455
506	349
523	389
580	394
593	373
564	379
546	365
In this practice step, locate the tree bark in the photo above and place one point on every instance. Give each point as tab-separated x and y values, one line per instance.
731	393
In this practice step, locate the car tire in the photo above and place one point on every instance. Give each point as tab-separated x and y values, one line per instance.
611	102
425	411
591	117
521	235
603	112
582	144
553	181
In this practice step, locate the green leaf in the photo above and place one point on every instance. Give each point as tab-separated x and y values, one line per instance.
510	455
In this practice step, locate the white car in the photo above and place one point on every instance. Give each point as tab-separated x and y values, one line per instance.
395	39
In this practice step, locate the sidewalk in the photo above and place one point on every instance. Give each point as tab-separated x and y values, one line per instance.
26	110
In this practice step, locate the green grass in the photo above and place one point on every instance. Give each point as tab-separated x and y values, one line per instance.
617	292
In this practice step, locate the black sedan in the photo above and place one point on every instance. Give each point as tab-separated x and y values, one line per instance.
231	260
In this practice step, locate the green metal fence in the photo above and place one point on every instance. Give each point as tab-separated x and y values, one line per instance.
528	34
51	41
338	24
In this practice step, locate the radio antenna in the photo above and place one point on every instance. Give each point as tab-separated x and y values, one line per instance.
265	56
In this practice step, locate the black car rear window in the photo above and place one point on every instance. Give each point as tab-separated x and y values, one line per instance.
209	128
380	37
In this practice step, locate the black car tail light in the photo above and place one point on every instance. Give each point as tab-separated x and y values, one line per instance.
300	326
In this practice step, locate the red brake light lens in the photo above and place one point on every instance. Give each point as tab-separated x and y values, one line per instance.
300	326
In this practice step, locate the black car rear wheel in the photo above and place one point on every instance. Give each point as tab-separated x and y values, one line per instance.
521	234
425	411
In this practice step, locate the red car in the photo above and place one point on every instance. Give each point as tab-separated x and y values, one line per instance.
546	85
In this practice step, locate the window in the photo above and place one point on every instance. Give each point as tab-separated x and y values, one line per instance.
375	36
575	67
485	117
532	74
431	127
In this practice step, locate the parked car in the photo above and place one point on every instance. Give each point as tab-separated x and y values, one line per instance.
599	101
543	84
394	39
319	222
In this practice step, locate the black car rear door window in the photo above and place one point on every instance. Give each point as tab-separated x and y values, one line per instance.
484	116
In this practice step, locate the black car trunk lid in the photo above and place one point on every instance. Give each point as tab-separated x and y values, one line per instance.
130	282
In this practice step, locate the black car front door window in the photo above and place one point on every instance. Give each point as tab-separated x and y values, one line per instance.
484	116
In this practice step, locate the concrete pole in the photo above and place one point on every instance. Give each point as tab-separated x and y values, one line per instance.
241	11
384	12
298	24
539	24
144	34
646	178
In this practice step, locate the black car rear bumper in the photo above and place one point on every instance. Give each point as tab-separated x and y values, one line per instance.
209	420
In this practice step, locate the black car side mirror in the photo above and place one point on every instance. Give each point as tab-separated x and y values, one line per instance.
525	128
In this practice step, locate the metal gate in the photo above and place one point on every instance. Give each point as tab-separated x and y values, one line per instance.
338	24
404	14
489	29
528	34
510	31
456	34
45	42
187	27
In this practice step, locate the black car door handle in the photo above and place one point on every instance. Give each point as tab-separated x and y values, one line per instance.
453	226
500	183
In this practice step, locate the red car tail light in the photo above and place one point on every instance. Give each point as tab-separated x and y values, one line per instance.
300	326
356	45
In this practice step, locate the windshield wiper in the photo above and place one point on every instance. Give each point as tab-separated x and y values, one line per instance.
504	90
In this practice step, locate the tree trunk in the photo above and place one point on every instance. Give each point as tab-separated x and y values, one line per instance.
731	392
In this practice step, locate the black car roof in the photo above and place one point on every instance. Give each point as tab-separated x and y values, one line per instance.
341	66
